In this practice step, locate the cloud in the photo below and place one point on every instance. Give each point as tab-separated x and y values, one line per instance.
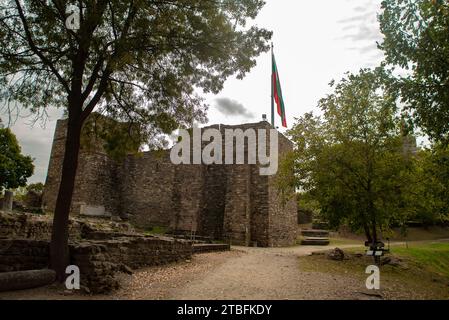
362	30
229	107
363	16
365	33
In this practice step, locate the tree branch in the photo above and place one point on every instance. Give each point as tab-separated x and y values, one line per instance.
37	51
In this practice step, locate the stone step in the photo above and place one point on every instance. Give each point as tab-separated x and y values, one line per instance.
317	224
210	247
315	233
195	239
315	241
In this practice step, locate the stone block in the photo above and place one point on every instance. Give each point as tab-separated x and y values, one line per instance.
93	211
26	279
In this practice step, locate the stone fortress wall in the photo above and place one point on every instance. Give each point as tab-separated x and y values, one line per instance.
226	202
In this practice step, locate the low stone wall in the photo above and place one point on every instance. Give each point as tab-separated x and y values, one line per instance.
147	251
98	260
23	254
97	269
99	248
29	226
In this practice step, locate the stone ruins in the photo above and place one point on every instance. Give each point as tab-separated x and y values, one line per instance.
232	203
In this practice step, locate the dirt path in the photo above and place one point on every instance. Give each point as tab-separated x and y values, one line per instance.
267	274
241	274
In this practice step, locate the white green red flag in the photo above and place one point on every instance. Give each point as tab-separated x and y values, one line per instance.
277	93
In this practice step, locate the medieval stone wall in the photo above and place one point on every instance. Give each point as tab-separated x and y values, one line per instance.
227	202
282	207
237	214
260	219
213	201
96	180
147	182
187	200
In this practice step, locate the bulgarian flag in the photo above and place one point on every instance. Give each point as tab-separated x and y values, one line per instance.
277	93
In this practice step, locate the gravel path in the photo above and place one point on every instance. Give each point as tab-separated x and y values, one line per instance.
241	274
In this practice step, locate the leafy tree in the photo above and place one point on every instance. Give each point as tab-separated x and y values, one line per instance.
417	41
350	159
36	187
15	168
430	192
134	60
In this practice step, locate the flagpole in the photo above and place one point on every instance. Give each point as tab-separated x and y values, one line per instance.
272	88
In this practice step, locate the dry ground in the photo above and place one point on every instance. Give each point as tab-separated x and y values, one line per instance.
249	273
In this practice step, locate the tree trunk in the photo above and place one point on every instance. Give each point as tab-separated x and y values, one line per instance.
367	233
59	250
375	238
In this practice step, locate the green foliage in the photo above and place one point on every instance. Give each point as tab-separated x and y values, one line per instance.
307	203
140	62
417	40
118	139
36	187
20	193
431	188
15	168
350	159
156	230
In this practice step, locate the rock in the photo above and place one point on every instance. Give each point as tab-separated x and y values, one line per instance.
392	261
337	254
116	219
19	280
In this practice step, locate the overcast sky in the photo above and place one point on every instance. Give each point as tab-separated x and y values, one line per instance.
315	42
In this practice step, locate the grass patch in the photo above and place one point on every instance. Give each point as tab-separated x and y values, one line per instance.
434	256
157	231
422	273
